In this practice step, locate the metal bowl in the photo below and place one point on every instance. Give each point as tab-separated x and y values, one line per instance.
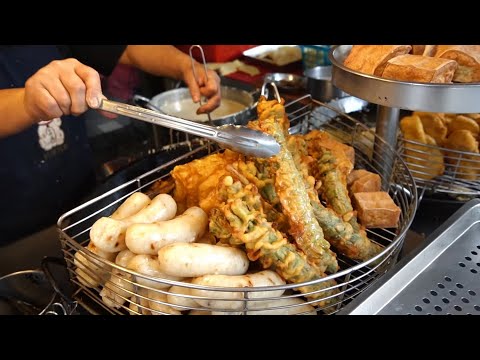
286	82
178	102
319	84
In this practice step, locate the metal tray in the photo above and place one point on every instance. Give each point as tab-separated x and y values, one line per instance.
441	277
261	53
448	98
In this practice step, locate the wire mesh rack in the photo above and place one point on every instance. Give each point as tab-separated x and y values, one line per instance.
441	170
102	286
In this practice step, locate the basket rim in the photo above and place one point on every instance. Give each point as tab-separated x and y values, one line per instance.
437	147
386	252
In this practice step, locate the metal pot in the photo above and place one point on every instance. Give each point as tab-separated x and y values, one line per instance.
319	84
237	106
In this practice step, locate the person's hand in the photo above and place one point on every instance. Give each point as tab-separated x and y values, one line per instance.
210	87
62	87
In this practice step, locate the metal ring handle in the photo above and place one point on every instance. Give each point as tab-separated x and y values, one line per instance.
264	91
145	102
192	60
140	100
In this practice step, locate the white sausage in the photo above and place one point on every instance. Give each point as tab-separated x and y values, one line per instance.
132	205
110	256
143	301
200	312
124	257
193	260
295	307
262	278
149	238
148	265
162	207
181	300
109	234
154	306
117	289
91	272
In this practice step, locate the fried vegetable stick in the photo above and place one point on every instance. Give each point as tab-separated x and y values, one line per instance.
290	188
346	236
240	220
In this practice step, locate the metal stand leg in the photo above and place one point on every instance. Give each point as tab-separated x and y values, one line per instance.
387	126
156	137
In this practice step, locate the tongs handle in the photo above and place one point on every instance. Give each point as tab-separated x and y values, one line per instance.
192	60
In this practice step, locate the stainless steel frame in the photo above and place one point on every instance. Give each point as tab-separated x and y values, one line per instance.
392	95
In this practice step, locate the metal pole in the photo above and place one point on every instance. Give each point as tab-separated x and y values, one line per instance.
387	125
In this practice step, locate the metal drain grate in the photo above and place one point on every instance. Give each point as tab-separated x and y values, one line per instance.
450	296
442	278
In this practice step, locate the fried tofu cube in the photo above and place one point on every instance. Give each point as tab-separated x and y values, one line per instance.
376	209
364	181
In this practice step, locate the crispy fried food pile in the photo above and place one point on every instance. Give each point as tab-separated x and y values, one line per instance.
331	163
272	207
290	188
446	136
196	181
241	220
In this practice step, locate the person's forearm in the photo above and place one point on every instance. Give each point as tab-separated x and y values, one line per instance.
160	60
13	116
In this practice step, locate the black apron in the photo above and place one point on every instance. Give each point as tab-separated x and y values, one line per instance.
46	169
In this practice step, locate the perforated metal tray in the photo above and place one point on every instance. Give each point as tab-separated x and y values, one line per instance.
441	277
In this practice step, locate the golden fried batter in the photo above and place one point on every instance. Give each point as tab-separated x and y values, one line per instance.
291	190
466	166
196	181
424	162
434	125
318	140
240	219
463	123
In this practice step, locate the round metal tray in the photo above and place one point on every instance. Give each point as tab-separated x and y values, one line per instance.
448	98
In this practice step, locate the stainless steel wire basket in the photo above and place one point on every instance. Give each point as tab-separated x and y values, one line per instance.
461	174
134	293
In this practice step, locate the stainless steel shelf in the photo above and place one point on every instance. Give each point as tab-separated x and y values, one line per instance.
448	98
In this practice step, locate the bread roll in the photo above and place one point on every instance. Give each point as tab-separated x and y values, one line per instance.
372	59
417	68
467	57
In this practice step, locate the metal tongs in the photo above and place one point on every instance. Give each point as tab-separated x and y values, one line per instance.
234	137
192	60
